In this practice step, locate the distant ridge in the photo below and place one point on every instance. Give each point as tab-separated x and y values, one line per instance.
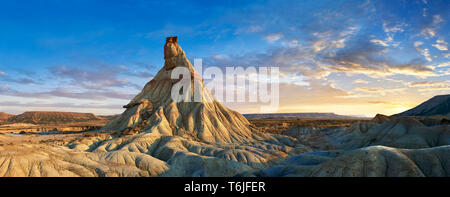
5	116
438	105
46	117
299	116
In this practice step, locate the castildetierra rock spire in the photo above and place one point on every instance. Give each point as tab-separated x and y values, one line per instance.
153	109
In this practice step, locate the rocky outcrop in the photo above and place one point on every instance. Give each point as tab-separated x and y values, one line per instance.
380	118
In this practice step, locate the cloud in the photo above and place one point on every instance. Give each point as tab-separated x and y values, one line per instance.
443	64
97	77
424	52
380	91
379	42
426	83
392	30
271	38
4	87
427	86
366	89
379	102
360	81
58	105
364	57
384	103
429	29
2	73
88	95
435	88
21	80
441	45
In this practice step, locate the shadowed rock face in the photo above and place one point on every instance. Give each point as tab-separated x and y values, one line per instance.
438	105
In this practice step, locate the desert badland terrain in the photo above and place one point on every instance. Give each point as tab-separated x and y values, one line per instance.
156	136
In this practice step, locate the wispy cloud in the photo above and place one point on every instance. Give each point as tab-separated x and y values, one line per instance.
429	29
88	95
362	56
441	45
271	38
58	105
380	42
360	81
424	52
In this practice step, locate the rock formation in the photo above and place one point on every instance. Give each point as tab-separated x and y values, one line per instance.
153	109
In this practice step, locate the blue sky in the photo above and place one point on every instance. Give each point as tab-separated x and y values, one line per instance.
348	57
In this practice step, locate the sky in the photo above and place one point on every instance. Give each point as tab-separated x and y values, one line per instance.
347	57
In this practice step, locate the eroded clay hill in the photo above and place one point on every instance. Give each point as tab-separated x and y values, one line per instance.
153	109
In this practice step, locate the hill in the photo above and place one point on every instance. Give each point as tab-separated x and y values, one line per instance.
47	117
438	105
4	116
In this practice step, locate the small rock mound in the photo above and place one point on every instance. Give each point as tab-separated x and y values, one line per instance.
380	118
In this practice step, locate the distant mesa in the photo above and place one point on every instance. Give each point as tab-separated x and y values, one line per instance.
299	116
47	117
108	117
438	105
4	116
